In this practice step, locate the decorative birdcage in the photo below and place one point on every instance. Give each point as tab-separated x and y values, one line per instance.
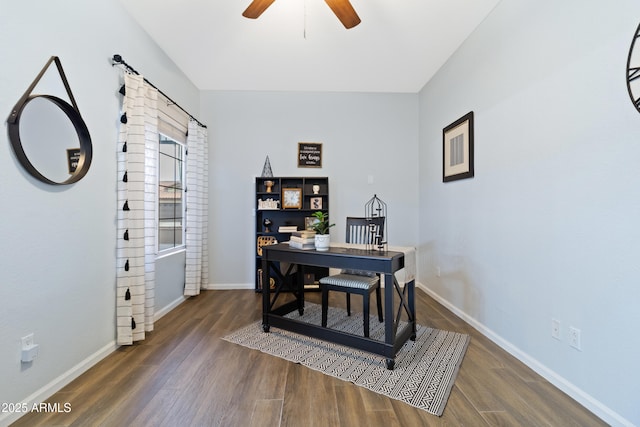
375	210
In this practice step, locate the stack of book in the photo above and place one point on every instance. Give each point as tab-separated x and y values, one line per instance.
303	239
287	228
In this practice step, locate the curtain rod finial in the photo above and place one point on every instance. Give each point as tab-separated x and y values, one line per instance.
117	59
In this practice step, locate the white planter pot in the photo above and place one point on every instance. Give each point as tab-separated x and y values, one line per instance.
322	242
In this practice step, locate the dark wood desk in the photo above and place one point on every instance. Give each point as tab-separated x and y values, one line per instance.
385	263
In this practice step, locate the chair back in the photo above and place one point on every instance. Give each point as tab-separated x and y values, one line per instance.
364	230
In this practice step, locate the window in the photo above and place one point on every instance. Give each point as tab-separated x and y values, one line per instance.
171	197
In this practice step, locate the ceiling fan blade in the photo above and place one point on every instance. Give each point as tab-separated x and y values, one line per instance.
256	8
345	12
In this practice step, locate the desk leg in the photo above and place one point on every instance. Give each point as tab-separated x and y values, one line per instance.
412	306
265	295
300	288
389	319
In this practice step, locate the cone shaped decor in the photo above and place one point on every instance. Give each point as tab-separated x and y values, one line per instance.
266	169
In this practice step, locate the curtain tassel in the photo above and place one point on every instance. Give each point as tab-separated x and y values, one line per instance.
125	178
123	118
127	295
126	206
122	91
124	147
133	323
126	235
126	268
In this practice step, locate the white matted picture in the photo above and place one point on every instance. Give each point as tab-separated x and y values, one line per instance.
316	203
457	149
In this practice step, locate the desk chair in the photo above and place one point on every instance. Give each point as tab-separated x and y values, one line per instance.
364	231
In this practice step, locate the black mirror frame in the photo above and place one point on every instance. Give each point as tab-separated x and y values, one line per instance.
633	73
72	112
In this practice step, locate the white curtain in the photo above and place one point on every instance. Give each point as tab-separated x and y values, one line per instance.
197	256
137	189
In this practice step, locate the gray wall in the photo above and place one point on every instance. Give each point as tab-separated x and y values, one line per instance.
57	263
548	228
361	135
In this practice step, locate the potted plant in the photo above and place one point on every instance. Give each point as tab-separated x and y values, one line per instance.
321	227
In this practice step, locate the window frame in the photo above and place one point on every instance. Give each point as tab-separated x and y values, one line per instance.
182	247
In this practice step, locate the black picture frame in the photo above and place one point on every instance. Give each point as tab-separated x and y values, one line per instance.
457	149
309	154
73	158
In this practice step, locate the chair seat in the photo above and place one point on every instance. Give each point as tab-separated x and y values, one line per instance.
362	230
350	281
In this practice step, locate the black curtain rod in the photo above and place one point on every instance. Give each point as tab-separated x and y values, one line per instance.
117	59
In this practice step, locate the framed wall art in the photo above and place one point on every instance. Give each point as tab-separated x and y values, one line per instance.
73	158
457	149
316	203
309	154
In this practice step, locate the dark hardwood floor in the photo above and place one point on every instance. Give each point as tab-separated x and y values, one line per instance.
184	374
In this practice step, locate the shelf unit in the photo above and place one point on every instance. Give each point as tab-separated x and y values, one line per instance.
310	201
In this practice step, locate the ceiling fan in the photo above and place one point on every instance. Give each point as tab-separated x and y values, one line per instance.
342	9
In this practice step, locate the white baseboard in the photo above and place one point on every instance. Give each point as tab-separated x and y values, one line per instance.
586	400
158	314
598	408
228	286
58	383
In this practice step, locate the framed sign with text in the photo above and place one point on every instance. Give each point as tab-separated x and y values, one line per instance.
73	157
309	154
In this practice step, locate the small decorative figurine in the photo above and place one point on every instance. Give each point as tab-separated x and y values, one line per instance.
266	169
268	204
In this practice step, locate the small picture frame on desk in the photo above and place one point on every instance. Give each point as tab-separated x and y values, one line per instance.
309	222
291	198
315	203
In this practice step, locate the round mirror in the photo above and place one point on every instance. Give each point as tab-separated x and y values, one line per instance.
51	140
633	71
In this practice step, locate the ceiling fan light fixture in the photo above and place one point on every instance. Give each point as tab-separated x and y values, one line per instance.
255	9
343	10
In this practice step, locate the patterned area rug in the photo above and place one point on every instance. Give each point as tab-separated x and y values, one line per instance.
424	372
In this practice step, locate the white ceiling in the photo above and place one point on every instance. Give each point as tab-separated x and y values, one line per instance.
300	45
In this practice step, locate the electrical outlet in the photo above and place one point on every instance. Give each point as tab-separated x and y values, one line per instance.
27	341
29	349
574	338
555	329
